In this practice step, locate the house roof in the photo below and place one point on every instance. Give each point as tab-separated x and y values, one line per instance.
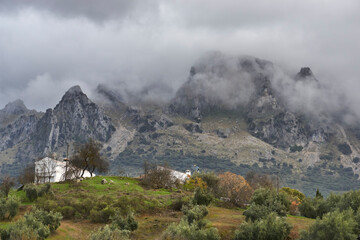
61	163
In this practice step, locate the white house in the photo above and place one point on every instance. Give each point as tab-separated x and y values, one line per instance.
51	170
176	175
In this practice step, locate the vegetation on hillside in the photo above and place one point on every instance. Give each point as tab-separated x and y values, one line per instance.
206	206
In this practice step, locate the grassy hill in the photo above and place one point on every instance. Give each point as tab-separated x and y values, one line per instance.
153	209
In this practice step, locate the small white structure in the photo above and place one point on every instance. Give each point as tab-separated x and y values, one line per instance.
176	175
51	170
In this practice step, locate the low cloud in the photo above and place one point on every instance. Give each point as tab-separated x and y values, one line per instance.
140	45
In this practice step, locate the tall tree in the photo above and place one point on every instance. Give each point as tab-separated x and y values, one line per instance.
88	158
7	184
28	175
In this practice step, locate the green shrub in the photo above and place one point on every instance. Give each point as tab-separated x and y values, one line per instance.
211	180
334	225
50	219
3	208
9	207
178	203
296	148
44	189
12	205
308	208
187	231
35	225
34	191
201	197
108	233
256	212
128	223
68	212
195	213
31	192
276	202
102	216
272	227
192	226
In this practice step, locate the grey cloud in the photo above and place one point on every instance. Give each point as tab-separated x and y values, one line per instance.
91	9
47	46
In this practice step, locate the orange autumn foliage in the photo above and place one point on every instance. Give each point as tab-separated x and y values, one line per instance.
195	182
235	188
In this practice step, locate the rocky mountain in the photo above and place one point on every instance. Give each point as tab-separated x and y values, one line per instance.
30	136
75	118
236	114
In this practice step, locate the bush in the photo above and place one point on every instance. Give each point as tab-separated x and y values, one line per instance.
68	212
31	192
179	203
102	216
34	191
334	225
344	148
256	212
296	148
211	180
120	228
9	207
12	205
276	202
195	213
50	219
128	223
201	197
192	226
37	224
108	233
187	231
235	187
3	208
272	227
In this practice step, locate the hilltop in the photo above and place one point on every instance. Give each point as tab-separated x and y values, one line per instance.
154	208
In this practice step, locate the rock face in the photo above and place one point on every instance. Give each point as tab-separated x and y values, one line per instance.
16	107
12	111
74	118
18	131
249	86
17	123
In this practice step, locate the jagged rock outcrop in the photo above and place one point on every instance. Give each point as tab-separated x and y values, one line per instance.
17	123
305	74
75	118
193	127
18	131
11	111
246	84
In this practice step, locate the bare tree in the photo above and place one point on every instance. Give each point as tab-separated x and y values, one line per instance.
71	171
258	180
88	158
7	183
157	176
28	175
45	170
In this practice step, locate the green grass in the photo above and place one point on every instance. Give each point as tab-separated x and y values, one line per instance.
120	184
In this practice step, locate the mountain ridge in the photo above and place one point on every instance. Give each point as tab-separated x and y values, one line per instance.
230	115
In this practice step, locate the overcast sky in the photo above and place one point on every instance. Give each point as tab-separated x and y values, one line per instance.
47	46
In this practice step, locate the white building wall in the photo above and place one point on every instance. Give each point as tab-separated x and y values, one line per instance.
51	170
